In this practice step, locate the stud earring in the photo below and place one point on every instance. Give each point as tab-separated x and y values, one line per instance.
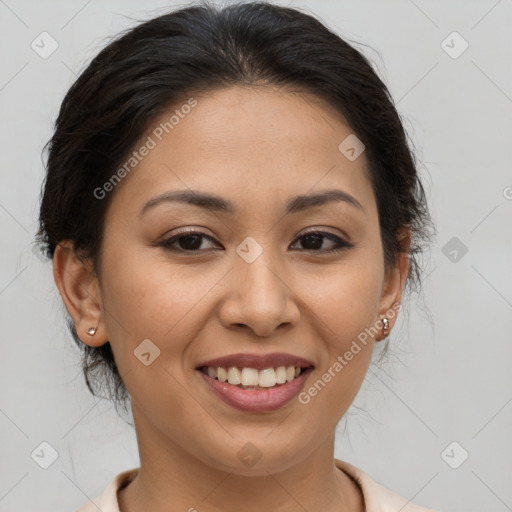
385	321
91	331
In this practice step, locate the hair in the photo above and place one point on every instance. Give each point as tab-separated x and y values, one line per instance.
147	69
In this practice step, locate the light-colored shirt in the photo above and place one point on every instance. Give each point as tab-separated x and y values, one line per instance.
376	497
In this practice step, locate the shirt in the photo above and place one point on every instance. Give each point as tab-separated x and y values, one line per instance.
376	497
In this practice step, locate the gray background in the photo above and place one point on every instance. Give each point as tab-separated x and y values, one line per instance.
448	378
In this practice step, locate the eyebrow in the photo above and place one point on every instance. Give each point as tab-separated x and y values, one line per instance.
213	202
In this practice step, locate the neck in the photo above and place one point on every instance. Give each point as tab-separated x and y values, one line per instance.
170	475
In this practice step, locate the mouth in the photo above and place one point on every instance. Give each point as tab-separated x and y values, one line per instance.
251	371
253	383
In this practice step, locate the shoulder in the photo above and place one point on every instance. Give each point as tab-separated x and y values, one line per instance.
377	497
107	500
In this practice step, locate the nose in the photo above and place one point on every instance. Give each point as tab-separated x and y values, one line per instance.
260	297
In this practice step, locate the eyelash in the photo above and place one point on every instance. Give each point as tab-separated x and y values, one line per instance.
168	243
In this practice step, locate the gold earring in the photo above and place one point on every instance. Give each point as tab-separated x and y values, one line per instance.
385	332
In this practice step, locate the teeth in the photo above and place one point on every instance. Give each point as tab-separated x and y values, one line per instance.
267	378
281	375
250	377
234	376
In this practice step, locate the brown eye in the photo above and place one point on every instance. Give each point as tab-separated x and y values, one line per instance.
189	241
314	240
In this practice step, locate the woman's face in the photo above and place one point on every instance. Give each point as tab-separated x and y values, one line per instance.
252	283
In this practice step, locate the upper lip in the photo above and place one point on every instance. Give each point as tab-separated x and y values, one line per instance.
257	361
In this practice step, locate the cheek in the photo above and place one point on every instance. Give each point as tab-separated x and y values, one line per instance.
346	299
344	364
150	311
152	299
345	303
147	295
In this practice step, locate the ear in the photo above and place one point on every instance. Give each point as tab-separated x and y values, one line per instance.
394	283
80	292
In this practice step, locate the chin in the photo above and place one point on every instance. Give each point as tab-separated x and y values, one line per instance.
258	458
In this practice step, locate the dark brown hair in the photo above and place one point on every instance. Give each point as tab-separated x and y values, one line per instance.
148	69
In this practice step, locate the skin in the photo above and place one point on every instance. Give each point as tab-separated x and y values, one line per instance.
256	147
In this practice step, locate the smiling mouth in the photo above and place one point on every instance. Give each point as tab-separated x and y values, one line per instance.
254	379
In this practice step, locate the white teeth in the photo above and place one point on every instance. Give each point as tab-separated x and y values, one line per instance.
281	375
267	378
234	375
222	374
250	377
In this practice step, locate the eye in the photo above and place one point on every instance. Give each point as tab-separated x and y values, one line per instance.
314	239
191	241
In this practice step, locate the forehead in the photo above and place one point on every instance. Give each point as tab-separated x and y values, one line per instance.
249	144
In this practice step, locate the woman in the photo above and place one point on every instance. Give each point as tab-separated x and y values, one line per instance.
233	214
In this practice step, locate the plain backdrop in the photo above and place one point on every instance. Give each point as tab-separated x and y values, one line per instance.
432	423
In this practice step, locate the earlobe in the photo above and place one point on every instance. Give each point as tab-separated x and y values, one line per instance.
393	288
78	287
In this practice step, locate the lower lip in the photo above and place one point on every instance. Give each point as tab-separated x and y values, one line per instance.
253	400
